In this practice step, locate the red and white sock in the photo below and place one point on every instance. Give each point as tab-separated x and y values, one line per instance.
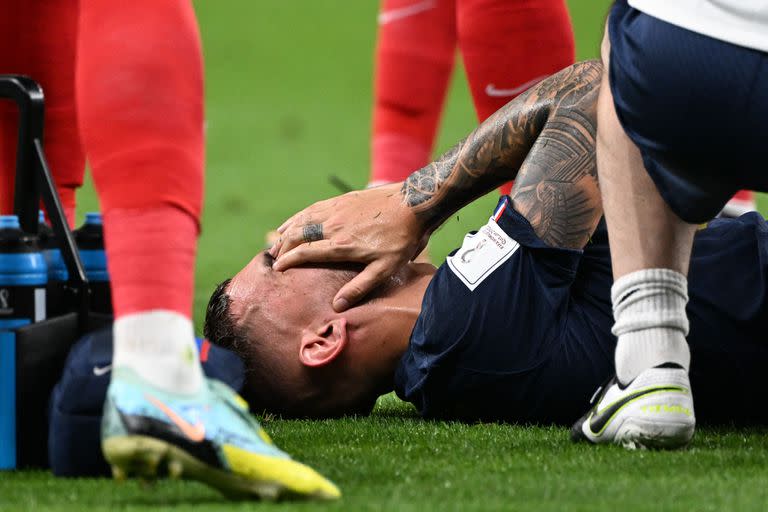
151	254
140	102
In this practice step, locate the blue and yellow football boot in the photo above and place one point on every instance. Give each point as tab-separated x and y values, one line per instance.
210	437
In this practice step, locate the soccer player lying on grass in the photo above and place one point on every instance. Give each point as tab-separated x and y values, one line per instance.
515	325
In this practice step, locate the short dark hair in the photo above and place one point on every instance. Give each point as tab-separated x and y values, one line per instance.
219	327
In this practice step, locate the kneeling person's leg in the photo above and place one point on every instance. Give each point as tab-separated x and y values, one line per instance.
650	250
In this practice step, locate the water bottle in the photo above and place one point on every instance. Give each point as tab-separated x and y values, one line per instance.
90	242
23	278
56	303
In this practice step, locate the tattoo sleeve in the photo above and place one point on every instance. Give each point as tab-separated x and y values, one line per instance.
546	139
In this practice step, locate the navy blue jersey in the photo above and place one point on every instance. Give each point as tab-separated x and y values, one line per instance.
695	106
514	330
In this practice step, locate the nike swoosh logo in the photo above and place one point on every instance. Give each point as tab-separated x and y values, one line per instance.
194	432
599	419
493	92
102	370
404	12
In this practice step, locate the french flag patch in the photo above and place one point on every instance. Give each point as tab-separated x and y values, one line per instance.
500	209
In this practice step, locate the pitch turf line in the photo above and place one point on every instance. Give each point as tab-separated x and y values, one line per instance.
394	461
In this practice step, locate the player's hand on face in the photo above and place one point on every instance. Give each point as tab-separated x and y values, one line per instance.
374	227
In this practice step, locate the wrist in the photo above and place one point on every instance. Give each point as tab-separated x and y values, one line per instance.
418	216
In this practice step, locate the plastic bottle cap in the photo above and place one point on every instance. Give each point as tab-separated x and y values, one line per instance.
9	221
93	218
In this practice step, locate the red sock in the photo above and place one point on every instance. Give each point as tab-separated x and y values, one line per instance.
140	100
414	59
509	46
38	39
151	258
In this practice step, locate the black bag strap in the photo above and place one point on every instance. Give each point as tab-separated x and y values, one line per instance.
34	180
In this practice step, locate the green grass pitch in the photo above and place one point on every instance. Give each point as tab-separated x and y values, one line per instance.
288	103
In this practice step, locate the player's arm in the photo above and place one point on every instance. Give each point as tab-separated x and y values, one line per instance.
548	135
385	227
556	188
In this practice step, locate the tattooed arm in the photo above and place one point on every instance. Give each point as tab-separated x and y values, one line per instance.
546	139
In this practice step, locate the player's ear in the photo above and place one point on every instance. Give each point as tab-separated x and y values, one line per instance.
321	346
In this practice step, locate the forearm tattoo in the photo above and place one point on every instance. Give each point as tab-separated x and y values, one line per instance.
548	135
556	188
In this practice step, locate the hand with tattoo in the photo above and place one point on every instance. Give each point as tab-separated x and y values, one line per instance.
312	232
547	134
371	226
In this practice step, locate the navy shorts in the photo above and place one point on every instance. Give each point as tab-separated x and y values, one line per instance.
696	107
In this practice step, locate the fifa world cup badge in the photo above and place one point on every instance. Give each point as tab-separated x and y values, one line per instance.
481	253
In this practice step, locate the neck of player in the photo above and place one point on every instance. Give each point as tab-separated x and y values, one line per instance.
381	330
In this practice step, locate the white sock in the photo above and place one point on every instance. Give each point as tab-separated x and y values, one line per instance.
651	322
159	345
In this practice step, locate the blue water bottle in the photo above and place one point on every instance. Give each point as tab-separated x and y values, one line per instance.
56	295
90	243
23	277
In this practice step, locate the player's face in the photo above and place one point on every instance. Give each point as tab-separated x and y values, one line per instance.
275	308
272	308
294	293
274	302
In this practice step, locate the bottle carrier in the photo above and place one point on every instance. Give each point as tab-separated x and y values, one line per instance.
36	352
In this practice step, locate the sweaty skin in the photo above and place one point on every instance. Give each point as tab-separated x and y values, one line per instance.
385	227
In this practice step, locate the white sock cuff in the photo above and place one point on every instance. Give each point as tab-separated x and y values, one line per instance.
152	331
159	345
649	277
650	298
